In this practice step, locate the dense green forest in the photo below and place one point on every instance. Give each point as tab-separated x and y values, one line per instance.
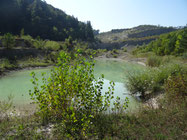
38	18
174	43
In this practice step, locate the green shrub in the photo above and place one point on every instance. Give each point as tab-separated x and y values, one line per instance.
8	41
39	44
134	52
147	82
115	55
104	50
163	72
176	87
28	38
72	95
154	61
140	83
52	45
124	49
53	56
5	63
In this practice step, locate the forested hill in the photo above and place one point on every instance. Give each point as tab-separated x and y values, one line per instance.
38	18
174	43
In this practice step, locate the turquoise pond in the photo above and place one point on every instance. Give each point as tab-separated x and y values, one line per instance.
18	83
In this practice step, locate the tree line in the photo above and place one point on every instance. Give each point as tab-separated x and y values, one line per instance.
38	18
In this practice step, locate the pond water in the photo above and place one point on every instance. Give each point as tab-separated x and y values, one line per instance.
18	83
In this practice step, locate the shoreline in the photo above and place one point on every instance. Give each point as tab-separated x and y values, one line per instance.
7	71
125	57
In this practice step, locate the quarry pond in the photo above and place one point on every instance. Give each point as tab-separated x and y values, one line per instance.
18	83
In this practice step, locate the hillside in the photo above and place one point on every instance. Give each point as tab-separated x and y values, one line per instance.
139	35
173	43
38	18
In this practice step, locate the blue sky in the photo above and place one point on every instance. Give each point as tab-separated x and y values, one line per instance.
115	14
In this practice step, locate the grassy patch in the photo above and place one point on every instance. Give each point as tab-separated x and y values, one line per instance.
154	61
169	121
31	62
162	123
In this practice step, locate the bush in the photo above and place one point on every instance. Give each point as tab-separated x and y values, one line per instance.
52	45
28	38
5	63
39	44
124	49
154	61
140	83
115	55
176	87
72	95
8	41
163	72
148	82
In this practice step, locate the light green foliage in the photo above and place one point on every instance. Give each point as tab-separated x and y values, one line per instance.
115	55
39	44
52	45
8	41
28	38
72	95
